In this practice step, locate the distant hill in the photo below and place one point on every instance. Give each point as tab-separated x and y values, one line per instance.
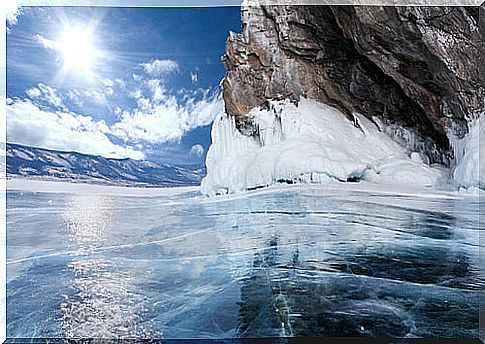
77	167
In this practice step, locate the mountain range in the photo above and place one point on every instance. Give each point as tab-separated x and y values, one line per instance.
33	162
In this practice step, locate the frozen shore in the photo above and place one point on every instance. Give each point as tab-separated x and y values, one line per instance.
30	185
314	143
332	188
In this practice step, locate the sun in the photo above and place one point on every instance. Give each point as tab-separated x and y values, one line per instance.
78	50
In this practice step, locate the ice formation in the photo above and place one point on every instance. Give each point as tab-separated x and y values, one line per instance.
469	151
312	143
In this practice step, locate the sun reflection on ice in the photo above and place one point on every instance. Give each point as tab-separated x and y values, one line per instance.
101	304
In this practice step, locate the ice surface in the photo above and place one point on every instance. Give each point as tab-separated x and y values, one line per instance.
302	260
311	143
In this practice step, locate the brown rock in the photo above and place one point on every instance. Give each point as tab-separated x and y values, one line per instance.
412	67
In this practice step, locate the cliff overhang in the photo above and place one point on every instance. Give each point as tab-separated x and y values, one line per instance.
416	69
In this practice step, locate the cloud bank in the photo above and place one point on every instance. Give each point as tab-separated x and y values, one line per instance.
155	115
28	124
161	117
47	94
13	10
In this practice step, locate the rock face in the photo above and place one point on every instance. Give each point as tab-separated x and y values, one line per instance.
413	69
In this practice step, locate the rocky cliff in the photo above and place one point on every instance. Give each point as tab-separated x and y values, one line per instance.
414	70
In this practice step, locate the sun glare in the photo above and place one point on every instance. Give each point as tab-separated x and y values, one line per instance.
77	49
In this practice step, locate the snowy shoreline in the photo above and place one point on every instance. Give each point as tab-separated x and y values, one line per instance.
339	188
49	186
30	185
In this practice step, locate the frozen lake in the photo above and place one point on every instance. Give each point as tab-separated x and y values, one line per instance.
292	261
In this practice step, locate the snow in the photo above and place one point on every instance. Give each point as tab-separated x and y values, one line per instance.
468	173
309	143
48	186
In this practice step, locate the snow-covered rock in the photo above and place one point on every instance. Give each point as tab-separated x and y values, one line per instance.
312	143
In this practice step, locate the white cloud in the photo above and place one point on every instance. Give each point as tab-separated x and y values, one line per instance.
143	104
13	10
160	67
95	96
156	125
108	83
158	91
197	150
121	84
109	87
46	43
159	117
47	94
137	77
162	117
118	111
194	77
136	94
29	125
75	97
33	92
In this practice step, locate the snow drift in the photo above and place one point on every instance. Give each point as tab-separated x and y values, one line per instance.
312	143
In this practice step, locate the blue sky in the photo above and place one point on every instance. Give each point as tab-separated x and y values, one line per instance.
117	82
